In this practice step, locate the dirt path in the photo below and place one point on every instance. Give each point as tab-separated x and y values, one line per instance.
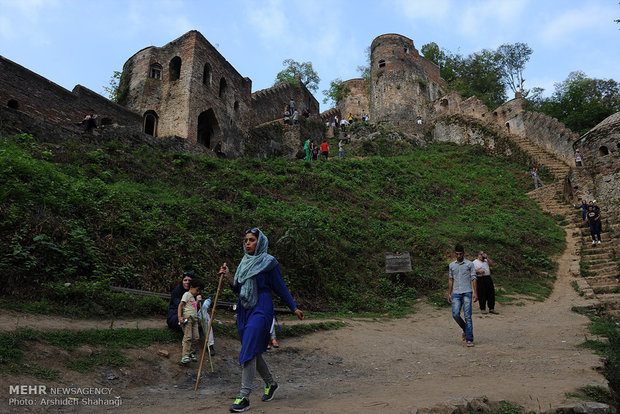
528	354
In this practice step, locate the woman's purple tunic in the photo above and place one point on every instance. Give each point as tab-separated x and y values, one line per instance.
254	324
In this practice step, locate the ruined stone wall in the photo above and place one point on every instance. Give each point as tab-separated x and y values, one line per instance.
401	88
40	98
278	140
547	132
356	102
600	149
466	130
198	94
268	104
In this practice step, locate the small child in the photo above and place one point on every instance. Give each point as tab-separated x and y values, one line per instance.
188	319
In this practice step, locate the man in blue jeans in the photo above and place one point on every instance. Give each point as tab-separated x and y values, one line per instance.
461	290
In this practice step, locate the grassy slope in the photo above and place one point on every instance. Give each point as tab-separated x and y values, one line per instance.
138	217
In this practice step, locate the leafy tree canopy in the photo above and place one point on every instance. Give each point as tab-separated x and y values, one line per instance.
295	72
512	58
113	90
336	92
579	102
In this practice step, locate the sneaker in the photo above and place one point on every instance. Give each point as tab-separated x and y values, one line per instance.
493	311
593	241
186	359
599	242
270	390
240	405
483	311
211	350
470	344
463	337
193	357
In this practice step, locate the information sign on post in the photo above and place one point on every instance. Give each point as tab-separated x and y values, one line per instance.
397	263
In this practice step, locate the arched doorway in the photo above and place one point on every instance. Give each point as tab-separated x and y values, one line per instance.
208	128
150	123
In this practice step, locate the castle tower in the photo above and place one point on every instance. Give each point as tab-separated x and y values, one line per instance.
356	102
402	83
187	88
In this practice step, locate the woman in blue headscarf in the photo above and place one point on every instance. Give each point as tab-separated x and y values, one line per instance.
257	275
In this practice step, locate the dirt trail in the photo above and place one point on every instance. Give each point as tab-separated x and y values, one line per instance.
528	354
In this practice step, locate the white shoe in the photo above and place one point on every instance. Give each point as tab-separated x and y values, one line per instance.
593	241
599	242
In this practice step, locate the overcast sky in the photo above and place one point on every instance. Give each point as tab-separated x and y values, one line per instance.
84	41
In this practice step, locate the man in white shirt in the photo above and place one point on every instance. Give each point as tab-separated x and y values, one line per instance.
486	290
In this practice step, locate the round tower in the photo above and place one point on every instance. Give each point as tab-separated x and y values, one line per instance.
402	83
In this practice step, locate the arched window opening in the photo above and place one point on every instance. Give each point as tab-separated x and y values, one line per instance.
150	123
206	75
13	104
603	151
444	103
208	128
382	63
223	87
155	71
236	106
175	68
507	126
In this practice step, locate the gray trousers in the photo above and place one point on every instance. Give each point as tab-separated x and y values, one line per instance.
248	372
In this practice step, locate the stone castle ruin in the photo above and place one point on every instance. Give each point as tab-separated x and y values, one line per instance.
186	89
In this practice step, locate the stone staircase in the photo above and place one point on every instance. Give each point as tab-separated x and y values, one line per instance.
542	158
599	270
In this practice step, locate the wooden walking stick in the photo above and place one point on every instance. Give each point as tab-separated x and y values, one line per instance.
204	349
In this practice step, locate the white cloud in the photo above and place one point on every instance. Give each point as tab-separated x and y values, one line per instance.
572	22
270	21
424	9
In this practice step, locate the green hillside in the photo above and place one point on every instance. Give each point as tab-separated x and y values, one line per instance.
137	217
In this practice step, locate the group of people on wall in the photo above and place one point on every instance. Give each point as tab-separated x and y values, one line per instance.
290	114
257	275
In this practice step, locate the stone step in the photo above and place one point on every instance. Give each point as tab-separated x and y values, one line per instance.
599	256
595	281
603	272
610	300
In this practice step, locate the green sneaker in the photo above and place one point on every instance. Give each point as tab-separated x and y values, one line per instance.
186	359
240	405
270	390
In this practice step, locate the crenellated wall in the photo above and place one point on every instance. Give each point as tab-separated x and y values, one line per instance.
40	98
268	104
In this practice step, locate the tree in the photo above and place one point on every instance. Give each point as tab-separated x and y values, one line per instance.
477	75
113	90
364	70
512	59
336	92
294	72
580	102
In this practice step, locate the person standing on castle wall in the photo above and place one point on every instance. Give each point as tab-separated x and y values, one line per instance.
336	123
291	106
350	118
295	117
325	149
419	120
343	124
287	114
594	221
307	149
340	149
218	150
578	159
537	181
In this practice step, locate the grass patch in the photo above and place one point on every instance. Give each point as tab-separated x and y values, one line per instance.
593	393
609	348
108	357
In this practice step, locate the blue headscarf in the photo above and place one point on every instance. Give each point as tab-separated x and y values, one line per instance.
250	266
